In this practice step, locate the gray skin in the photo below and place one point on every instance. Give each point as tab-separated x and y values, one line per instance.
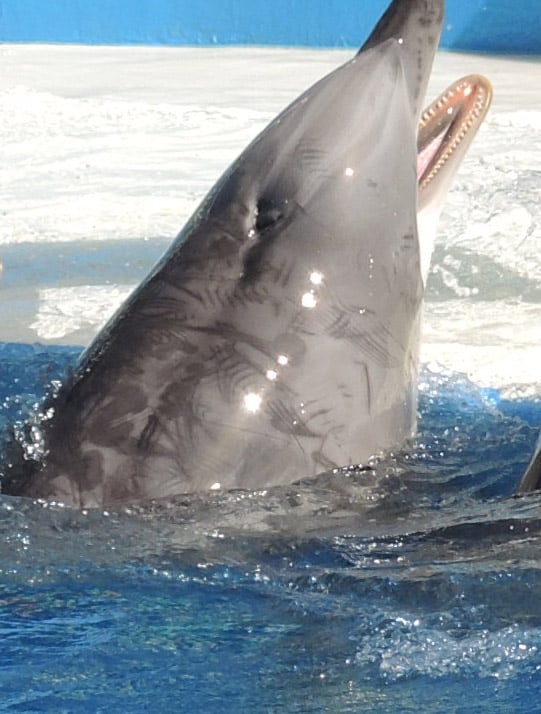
531	480
278	337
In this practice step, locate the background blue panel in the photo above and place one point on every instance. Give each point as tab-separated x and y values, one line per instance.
512	26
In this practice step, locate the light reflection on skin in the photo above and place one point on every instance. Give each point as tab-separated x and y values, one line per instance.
253	401
308	300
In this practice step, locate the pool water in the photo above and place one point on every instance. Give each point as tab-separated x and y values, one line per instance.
412	585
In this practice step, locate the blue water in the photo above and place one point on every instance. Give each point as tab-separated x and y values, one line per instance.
410	586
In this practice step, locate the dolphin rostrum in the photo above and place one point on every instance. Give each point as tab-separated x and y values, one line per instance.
278	336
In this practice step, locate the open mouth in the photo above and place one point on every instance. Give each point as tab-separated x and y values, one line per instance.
447	127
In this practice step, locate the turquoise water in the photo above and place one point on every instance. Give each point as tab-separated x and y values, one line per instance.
410	586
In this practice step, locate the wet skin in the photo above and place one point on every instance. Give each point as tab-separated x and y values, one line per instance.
278	337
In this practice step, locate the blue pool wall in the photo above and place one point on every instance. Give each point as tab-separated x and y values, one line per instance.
501	26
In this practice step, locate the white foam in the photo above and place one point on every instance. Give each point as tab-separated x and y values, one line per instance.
527	118
494	345
63	311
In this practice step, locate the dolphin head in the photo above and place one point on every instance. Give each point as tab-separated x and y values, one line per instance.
278	337
351	141
338	164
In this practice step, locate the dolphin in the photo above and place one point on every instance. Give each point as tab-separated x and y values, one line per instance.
531	479
278	336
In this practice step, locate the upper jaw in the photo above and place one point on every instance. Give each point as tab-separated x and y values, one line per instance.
415	26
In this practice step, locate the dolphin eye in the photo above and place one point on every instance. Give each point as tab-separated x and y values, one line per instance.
268	213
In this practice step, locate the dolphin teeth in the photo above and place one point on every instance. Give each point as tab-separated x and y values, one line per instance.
453	117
